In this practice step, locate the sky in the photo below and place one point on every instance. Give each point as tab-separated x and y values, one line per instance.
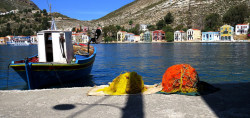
82	9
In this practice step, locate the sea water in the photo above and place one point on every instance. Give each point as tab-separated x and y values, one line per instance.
214	62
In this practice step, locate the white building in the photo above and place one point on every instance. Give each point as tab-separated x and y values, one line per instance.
241	29
85	38
137	38
180	36
33	39
143	27
35	11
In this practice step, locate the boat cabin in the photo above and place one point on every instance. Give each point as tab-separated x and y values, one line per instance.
55	46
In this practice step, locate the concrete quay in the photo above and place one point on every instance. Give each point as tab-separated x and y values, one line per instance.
230	102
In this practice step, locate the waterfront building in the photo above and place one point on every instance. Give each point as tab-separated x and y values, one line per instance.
80	37
33	39
121	36
158	36
85	38
241	29
129	37
210	36
143	27
137	38
179	36
226	33
147	37
3	40
193	35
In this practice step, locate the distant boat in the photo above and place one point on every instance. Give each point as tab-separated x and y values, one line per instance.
58	60
19	41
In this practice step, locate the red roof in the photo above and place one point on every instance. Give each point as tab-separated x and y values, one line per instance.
122	31
242	24
159	31
182	31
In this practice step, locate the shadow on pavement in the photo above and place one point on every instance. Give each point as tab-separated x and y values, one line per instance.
134	107
231	101
64	107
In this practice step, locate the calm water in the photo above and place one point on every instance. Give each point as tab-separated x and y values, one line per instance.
214	62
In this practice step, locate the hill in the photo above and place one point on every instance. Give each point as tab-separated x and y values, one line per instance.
24	23
185	12
8	5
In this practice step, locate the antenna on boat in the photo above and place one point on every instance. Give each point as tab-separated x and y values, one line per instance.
53	23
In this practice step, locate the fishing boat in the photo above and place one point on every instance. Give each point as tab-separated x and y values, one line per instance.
58	60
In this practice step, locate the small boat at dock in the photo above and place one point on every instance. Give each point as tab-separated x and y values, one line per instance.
58	60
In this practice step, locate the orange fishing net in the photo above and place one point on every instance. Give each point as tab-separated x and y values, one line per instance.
180	78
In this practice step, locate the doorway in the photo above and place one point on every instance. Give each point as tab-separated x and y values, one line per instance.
48	47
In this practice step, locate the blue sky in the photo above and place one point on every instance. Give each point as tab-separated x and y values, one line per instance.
82	9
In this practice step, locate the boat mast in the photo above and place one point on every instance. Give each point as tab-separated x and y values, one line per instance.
53	23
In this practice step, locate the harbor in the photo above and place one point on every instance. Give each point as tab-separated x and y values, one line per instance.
230	101
164	59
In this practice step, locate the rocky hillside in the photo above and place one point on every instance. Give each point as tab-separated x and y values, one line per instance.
186	12
8	5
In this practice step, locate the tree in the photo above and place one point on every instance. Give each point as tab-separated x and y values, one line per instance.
110	31
168	29
179	27
170	36
151	27
212	22
236	15
37	14
135	30
169	18
25	10
160	24
45	12
130	23
118	27
73	29
8	29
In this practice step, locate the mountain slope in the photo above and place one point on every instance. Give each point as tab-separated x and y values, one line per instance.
186	12
8	5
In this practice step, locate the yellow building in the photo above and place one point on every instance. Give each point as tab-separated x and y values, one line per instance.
3	40
121	36
226	33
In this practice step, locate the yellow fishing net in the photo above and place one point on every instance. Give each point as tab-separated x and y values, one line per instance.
127	83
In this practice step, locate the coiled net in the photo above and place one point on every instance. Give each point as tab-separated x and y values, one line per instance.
126	83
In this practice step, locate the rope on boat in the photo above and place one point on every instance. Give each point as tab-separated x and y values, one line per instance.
28	71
